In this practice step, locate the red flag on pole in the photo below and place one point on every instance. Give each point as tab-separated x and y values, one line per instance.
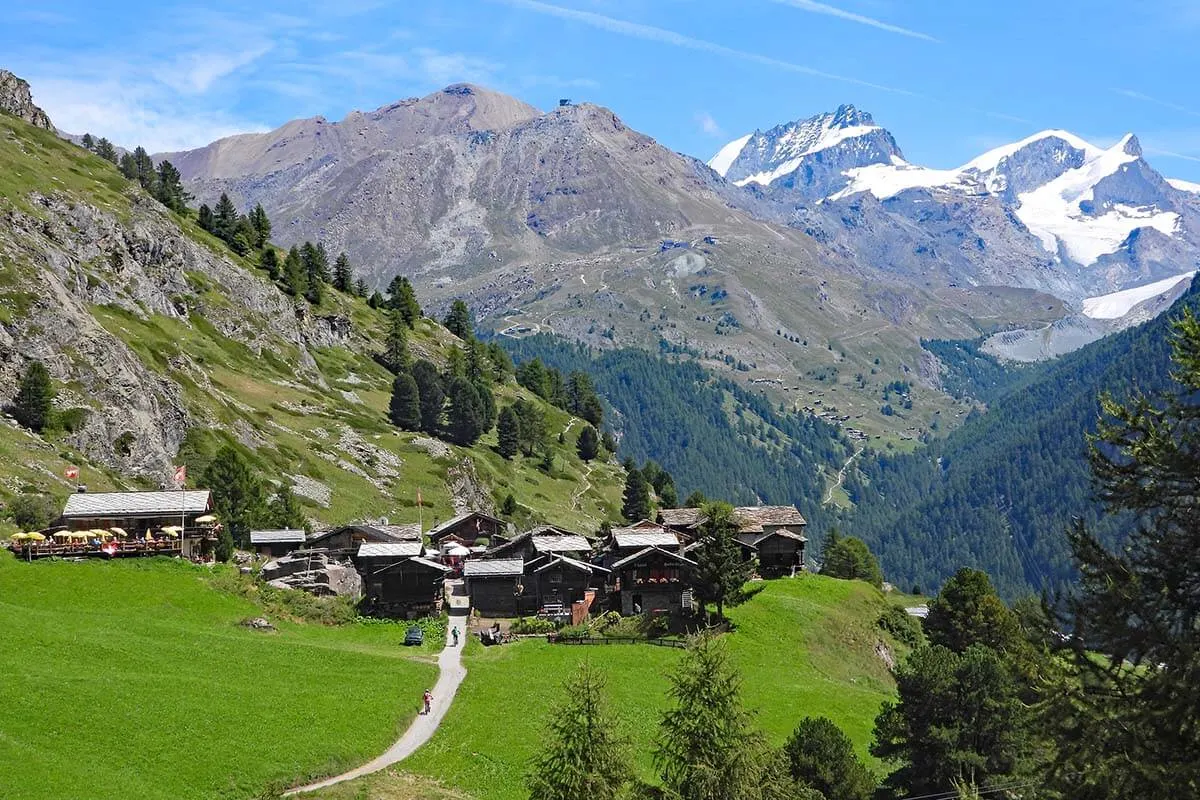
181	475
71	473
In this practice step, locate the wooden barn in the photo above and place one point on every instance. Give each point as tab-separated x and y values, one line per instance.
276	543
652	580
543	541
553	584
495	585
772	534
406	588
467	529
347	539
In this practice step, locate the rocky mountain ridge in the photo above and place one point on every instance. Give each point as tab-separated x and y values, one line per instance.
17	100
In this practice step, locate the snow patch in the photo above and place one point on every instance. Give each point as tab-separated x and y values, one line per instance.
725	157
992	158
828	137
1184	186
1118	304
888	180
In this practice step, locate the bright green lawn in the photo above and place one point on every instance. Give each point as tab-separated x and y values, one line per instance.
806	646
132	679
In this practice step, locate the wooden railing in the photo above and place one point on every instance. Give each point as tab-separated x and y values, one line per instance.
554	638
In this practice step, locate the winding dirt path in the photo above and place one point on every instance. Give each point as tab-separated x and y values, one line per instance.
841	476
450	676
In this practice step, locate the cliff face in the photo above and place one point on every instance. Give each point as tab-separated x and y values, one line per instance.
16	99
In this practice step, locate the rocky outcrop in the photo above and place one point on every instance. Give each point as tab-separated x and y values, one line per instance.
16	99
316	573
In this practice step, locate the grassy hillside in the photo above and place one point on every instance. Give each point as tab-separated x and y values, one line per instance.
309	409
805	647
133	679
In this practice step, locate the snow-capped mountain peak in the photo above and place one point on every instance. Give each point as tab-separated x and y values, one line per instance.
803	153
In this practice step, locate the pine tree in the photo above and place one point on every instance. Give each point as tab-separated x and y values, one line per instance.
821	756
487	405
205	219
105	149
295	279
128	166
261	225
968	611
588	444
636	498
33	405
237	492
464	417
405	407
360	287
458	321
168	188
395	344
433	397
609	442
508	508
508	432
582	755
225	219
284	511
244	237
403	298
721	571
269	261
223	552
850	559
707	748
87	142
343	276
144	166
531	426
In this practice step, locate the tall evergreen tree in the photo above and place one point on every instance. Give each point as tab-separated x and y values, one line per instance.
968	611
295	279
582	399
395	344
508	432
343	275
405	407
88	142
237	491
531	427
403	298
105	149
1125	716
588	444
721	571
582	754
707	748
433	397
360	287
636	497
850	559
269	261
205	219
145	167
225	218
459	322
33	405
168	188
284	511
128	166
464	417
261	225
821	756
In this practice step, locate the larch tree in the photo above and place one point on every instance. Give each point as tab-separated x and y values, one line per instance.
635	502
459	322
33	405
433	396
720	571
237	491
588	444
343	275
508	433
404	410
583	754
395	344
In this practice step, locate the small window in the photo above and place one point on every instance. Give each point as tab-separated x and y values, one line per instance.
556	577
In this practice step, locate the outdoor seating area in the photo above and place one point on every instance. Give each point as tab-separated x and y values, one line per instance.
96	542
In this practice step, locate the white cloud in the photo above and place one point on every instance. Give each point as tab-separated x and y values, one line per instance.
446	68
196	72
708	125
822	8
651	33
1145	98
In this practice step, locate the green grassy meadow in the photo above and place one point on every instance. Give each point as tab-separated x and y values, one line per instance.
133	679
805	646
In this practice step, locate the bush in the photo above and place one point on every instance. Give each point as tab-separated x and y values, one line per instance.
32	512
903	626
532	625
581	631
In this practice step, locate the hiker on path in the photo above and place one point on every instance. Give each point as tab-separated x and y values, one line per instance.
428	700
454	633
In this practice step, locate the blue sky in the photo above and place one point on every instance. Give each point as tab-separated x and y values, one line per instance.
950	78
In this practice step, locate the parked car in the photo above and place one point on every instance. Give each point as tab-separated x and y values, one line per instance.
414	635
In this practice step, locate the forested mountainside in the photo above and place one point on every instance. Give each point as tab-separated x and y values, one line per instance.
709	433
999	492
164	342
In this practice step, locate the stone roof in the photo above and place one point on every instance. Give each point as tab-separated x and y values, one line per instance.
679	517
648	550
582	566
628	538
441	528
493	567
137	504
751	519
285	536
755	538
390	549
562	543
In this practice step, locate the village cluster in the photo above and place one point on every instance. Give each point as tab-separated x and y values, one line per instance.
401	570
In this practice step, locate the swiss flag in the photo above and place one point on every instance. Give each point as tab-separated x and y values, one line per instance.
181	475
71	473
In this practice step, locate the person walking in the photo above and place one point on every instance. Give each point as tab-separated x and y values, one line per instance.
428	698
454	633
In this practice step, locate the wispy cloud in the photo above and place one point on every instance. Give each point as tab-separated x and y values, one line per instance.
443	68
708	125
196	72
1145	98
822	8
662	35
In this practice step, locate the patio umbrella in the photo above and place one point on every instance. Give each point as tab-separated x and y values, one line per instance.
62	534
206	519
34	536
172	532
170	529
19	537
458	551
119	532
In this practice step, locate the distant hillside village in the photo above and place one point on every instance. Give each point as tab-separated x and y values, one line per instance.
401	571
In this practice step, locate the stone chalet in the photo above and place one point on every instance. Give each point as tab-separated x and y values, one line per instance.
346	540
651	580
277	542
398	581
772	534
466	529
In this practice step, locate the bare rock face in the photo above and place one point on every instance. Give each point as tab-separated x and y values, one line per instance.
16	99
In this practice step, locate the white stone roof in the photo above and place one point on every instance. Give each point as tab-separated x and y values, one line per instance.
136	504
646	551
493	567
286	536
572	562
390	549
566	543
450	523
626	538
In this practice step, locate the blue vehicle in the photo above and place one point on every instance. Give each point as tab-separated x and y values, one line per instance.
414	635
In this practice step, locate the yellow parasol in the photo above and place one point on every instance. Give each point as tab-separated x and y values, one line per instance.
173	532
34	536
119	532
19	537
206	519
79	534
62	534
